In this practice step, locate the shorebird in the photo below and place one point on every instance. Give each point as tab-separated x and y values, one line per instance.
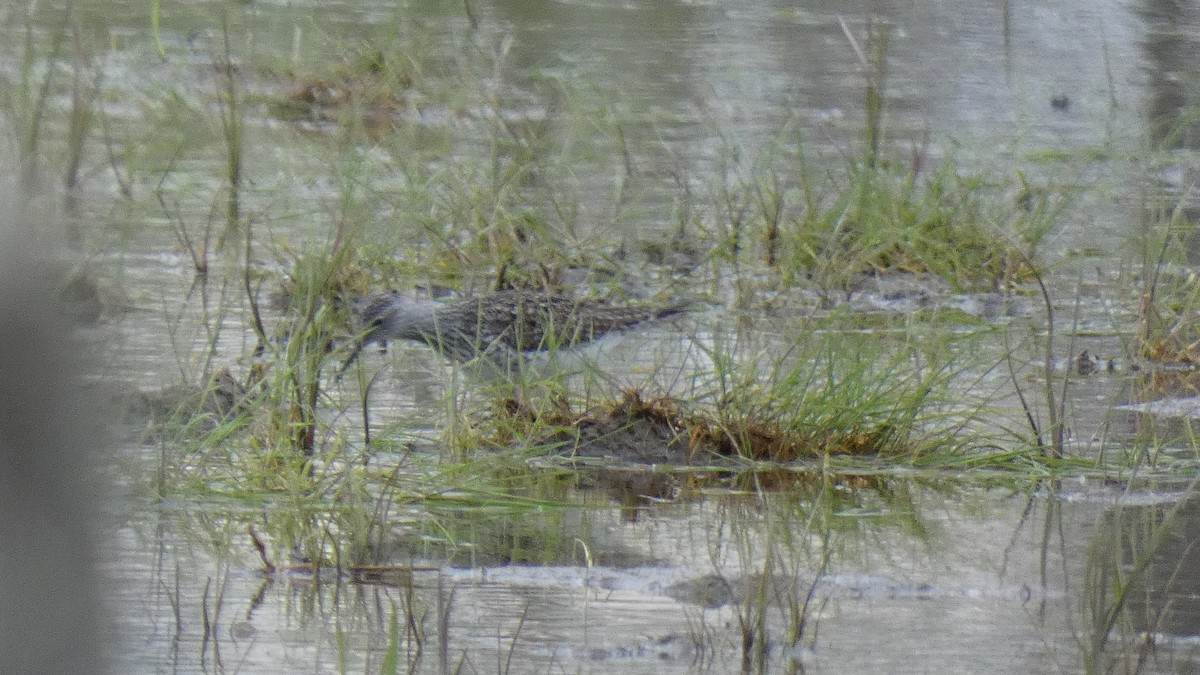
499	326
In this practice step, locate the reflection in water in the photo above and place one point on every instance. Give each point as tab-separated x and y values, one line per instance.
977	580
209	610
1140	585
844	575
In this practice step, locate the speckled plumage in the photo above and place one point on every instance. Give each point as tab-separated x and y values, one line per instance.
499	325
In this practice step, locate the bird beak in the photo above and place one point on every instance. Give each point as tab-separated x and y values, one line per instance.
358	347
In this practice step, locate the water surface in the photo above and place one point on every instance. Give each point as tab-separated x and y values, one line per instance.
907	574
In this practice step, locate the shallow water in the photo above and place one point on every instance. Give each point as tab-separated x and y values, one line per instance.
925	572
967	578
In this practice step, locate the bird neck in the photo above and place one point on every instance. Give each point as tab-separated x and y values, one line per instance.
411	319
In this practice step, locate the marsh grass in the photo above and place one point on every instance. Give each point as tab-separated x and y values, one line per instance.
781	588
784	545
825	393
1168	328
491	200
282	442
819	416
870	211
27	100
829	393
51	141
364	89
1163	244
1134	565
483	223
831	231
881	219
